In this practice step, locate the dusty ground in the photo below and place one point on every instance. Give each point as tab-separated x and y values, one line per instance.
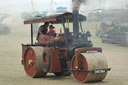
12	72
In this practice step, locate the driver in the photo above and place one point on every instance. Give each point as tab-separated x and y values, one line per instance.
42	29
51	31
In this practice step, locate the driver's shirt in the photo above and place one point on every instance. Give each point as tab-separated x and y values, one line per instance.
51	31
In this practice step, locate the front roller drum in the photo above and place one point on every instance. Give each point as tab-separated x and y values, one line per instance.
89	67
33	62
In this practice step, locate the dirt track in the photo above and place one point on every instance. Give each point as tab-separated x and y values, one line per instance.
12	72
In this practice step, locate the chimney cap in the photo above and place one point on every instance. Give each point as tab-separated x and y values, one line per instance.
75	8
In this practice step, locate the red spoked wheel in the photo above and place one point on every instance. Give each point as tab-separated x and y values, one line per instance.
80	76
33	62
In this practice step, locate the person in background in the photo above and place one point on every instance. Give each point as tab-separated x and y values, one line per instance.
51	31
43	29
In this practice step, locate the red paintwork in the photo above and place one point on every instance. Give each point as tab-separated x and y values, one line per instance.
80	76
24	48
55	59
65	55
40	20
45	39
30	69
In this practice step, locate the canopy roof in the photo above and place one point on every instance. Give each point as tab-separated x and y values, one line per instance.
55	19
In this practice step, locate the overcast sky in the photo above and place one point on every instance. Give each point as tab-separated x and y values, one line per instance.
25	5
44	5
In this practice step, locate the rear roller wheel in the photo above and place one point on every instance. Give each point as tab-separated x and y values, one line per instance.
33	62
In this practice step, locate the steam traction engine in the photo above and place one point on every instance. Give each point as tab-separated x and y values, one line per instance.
68	52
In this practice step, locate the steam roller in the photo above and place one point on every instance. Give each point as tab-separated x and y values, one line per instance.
63	54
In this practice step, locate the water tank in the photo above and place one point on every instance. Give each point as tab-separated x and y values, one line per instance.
61	9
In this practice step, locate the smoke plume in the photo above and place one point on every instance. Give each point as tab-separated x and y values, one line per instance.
4	29
3	17
105	4
77	3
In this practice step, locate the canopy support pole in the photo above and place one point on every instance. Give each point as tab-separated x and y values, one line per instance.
32	34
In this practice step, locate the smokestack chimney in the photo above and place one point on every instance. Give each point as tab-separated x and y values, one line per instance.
75	5
76	22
